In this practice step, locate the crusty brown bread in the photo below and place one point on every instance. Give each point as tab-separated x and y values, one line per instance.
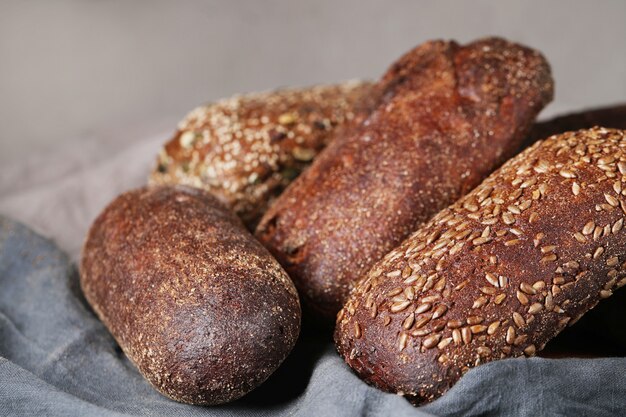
195	302
197	153
497	274
610	116
450	115
246	149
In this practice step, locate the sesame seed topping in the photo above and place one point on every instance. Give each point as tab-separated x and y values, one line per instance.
394	292
479	328
422	320
522	298
612	261
481	240
454	324
440	311
539	285
598	252
399	306
402	341
493	327
408	322
510	335
432	341
444	343
567	173
483	351
508	218
589	227
466	335
492	279
488	290
611	200
422	308
393	274
579	237
530	350
456	336
549	258
528	289
499	299
474	320
503	281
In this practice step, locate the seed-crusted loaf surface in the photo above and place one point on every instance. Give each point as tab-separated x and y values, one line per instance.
450	115
497	274
246	149
195	302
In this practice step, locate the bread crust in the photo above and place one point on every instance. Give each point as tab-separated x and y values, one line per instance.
246	149
321	114
449	116
497	274
194	301
609	116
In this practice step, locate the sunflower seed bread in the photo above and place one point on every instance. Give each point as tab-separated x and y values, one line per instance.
246	149
194	301
497	274
451	114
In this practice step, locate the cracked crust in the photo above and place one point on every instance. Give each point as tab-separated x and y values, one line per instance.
450	115
194	301
497	274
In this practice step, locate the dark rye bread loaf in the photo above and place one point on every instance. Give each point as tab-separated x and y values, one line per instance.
246	149
610	116
195	302
451	114
497	274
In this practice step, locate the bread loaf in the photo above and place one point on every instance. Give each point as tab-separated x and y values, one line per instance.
246	149
610	116
497	274
298	123
195	302
450	115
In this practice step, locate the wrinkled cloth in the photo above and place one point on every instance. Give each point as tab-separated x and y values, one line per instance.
57	359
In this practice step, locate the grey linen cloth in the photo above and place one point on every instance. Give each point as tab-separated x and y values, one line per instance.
57	359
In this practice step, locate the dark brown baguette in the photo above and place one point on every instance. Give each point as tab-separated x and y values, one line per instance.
497	274
450	115
610	116
195	302
246	149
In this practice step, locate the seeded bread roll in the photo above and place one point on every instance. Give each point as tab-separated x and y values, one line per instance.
450	115
600	333
246	149
497	274
195	302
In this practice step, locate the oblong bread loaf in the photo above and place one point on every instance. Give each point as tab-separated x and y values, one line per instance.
499	273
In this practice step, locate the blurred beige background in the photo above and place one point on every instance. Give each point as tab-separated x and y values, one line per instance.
71	70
